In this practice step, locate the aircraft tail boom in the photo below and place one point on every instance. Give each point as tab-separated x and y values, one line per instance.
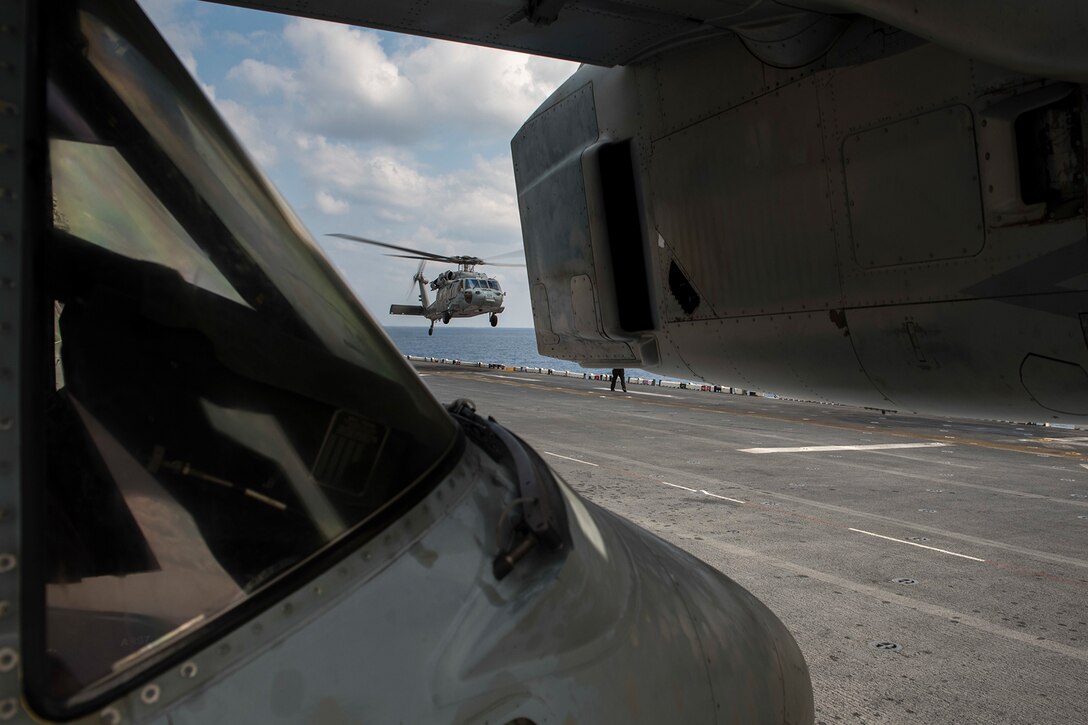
406	310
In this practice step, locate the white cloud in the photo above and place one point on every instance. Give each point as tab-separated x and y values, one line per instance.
380	176
474	202
329	204
252	41
265	79
344	84
505	86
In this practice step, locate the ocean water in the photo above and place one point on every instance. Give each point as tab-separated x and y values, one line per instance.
513	346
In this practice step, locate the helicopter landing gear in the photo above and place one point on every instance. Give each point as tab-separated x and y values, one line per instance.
430	330
445	318
494	320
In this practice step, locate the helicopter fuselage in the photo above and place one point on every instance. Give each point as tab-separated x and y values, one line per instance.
464	294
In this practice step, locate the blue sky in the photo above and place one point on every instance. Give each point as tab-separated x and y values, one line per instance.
386	136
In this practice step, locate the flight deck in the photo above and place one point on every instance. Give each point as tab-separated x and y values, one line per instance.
932	570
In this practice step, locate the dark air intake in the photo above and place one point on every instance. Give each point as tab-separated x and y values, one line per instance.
623	221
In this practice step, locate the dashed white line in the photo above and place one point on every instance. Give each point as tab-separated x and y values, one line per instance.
568	458
859	531
509	377
693	490
818	449
725	498
920	546
704	492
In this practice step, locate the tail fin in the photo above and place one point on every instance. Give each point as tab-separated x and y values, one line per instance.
421	281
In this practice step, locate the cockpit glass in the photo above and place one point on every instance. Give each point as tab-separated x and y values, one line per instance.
492	284
222	409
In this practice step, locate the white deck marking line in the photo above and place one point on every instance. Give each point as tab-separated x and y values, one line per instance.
704	492
726	498
1081	441
641	392
576	460
683	487
817	449
509	377
853	514
920	546
881	594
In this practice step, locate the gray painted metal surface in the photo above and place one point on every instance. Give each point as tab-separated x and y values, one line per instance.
626	628
567	264
15	52
1012	33
857	232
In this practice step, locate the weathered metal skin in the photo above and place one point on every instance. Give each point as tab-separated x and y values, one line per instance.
895	226
1038	38
620	628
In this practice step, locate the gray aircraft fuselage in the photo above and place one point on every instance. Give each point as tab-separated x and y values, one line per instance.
893	225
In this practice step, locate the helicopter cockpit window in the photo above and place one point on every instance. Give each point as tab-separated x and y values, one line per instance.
470	283
222	410
492	284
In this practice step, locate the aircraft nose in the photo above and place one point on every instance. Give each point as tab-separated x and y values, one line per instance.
797	700
755	665
743	660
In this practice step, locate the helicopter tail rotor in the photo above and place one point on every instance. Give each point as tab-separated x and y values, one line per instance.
418	277
420	280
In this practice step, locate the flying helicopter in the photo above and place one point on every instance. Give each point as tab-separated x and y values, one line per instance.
461	292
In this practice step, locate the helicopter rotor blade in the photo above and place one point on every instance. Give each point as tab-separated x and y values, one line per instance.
431	256
418	276
416	256
511	253
421	253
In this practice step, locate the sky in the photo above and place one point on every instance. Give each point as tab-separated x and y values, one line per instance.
390	137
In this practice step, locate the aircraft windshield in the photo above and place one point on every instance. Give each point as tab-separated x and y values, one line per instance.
222	408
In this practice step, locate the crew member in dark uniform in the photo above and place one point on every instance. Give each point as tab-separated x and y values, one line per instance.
619	373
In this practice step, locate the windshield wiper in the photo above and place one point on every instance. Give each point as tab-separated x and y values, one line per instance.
543	514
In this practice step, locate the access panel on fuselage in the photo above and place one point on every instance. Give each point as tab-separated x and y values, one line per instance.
556	226
741	206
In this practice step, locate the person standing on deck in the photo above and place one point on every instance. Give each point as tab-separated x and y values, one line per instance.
619	373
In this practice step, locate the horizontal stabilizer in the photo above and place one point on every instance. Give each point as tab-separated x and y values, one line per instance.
405	310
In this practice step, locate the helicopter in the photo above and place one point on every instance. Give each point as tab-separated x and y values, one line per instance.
462	292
